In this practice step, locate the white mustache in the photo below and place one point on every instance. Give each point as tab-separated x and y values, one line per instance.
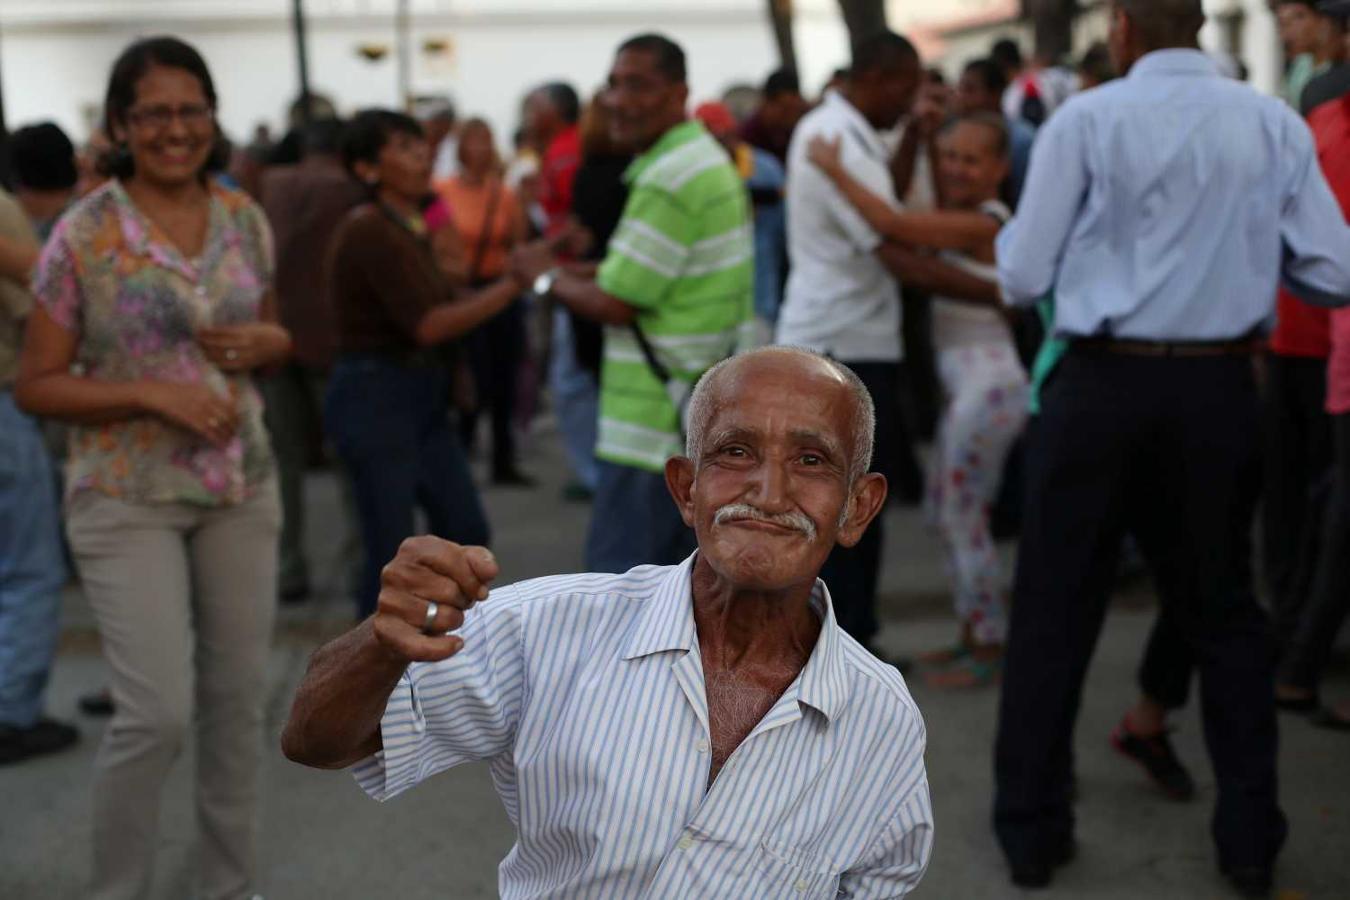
742	511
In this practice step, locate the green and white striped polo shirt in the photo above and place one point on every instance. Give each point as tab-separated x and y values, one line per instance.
683	256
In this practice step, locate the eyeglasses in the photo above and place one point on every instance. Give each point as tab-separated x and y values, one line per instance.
157	118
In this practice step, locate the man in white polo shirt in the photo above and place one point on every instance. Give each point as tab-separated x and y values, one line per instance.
842	297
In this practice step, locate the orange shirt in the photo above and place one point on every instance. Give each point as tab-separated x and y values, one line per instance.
469	207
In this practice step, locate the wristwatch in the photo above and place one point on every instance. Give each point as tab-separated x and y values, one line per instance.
543	285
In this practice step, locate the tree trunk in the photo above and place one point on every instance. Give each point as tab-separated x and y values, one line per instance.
1052	25
780	17
863	18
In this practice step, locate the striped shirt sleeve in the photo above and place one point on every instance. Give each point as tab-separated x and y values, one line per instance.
894	864
462	709
649	250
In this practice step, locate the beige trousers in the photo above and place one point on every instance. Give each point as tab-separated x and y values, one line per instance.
185	599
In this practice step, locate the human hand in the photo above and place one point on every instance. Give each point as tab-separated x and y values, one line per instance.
239	348
194	407
428	570
529	261
825	153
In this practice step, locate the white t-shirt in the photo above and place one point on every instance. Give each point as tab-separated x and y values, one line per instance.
960	324
840	299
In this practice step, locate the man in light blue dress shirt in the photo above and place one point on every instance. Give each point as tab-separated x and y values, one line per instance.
1162	209
705	730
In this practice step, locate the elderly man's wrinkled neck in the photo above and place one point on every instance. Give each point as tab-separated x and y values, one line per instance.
739	626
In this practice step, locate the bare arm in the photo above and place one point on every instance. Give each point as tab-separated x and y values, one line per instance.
335	719
932	275
450	320
939	230
17	258
584	297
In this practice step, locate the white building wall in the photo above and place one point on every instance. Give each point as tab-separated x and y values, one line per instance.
55	54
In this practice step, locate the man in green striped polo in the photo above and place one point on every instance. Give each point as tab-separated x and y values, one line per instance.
677	278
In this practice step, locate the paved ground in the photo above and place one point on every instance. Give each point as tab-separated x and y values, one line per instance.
323	839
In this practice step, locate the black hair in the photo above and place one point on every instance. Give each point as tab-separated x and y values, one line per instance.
1096	63
781	81
1006	53
127	72
935	75
370	130
322	137
883	50
990	73
564	99
669	57
42	158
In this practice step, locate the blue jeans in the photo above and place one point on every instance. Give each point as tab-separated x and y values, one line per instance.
32	566
634	522
390	424
576	399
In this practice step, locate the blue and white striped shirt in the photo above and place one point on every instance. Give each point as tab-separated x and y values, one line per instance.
586	694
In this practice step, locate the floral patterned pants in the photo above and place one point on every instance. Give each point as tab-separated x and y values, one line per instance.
986	389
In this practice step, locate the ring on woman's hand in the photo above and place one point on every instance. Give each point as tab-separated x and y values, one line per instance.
429	625
231	354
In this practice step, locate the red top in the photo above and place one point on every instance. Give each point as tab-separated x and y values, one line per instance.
1301	329
1331	129
557	172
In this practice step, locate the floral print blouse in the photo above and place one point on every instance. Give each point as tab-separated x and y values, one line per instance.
113	277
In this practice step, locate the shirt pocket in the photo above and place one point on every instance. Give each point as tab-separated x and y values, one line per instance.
790	873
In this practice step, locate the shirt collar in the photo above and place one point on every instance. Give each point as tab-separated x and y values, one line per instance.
137	231
857	125
667	623
681	133
1175	61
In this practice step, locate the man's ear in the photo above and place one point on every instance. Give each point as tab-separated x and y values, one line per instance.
867	501
680	483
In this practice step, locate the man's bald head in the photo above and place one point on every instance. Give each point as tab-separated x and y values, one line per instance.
1161	24
809	371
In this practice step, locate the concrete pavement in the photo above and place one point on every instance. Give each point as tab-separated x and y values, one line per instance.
323	839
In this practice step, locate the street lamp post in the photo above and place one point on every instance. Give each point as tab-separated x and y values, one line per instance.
302	58
403	27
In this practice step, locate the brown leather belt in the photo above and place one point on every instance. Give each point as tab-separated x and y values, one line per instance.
1244	346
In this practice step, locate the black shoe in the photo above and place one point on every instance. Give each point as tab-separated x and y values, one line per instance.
99	703
295	594
1037	874
1251	881
1330	718
45	737
1159	760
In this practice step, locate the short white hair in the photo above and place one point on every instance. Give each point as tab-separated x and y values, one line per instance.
862	418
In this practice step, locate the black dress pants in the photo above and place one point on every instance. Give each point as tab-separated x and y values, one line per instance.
496	349
851	573
1165	448
1297	445
1312	641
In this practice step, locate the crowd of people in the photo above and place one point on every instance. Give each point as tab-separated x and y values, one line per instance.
1108	293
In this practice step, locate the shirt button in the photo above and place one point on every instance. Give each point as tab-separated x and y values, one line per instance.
685	842
800	886
702	746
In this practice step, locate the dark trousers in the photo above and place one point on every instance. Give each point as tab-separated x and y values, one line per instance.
1165	448
1297	462
851	573
390	424
634	522
496	349
1329	601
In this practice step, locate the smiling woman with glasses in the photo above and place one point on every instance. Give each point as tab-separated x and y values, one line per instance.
155	308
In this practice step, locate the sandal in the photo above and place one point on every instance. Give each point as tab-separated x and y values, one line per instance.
968	672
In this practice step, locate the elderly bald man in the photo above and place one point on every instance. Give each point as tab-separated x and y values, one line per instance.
700	730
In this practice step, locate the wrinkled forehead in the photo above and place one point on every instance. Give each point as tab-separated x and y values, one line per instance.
782	397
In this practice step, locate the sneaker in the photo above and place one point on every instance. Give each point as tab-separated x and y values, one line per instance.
46	736
1159	760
